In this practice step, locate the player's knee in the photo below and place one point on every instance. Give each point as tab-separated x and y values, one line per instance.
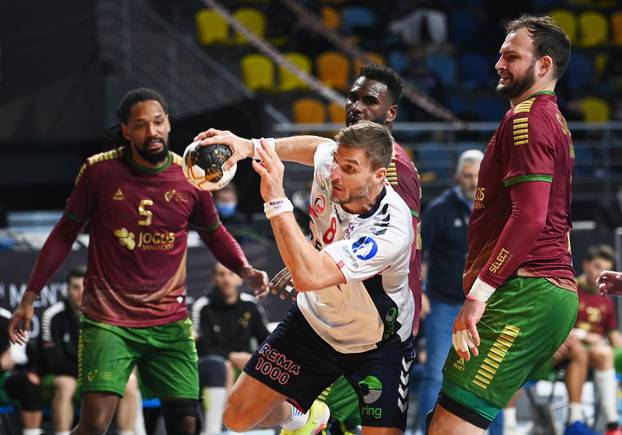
578	352
20	388
603	356
65	386
212	371
235	416
182	416
96	425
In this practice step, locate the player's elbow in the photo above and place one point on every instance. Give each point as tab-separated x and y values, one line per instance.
304	282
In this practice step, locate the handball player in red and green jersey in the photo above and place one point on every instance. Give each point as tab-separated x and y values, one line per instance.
140	208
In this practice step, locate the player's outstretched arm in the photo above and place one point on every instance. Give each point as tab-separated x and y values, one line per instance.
52	255
310	269
610	282
299	149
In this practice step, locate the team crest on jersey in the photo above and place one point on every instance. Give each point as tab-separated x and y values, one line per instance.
365	248
319	204
126	238
169	195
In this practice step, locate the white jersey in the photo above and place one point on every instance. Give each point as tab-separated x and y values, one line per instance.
373	252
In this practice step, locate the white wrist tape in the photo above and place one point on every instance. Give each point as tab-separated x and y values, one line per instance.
276	207
480	291
257	145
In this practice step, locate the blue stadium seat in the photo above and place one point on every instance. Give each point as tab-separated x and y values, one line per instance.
398	61
434	157
357	16
458	105
490	108
475	70
580	70
462	27
443	66
584	160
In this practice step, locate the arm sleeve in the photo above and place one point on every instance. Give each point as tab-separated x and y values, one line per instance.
612	322
224	247
520	233
52	348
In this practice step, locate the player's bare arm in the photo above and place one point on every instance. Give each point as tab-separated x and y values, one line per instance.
298	149
310	269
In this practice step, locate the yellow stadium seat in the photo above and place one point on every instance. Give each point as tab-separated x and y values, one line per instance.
593	29
567	21
595	109
331	17
600	62
211	27
373	57
309	111
616	28
289	81
333	69
257	72
336	113
253	19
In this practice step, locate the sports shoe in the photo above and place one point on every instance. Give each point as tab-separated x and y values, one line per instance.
579	428
316	423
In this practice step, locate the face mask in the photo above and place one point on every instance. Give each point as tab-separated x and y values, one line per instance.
226	209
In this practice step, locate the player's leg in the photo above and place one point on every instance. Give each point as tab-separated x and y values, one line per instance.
438	330
381	378
294	363
168	369
25	388
602	361
575	377
62	402
212	377
128	406
525	322
106	357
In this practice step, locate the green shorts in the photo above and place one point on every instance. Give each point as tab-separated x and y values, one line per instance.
166	357
617	357
525	322
343	402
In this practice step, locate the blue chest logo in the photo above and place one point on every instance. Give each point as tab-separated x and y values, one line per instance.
365	248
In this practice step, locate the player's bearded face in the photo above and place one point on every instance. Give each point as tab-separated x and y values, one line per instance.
154	149
517	84
352	178
147	131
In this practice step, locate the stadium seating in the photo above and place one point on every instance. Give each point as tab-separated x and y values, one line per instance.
333	69
475	70
595	109
567	21
616	28
336	113
331	17
593	29
462	27
287	80
253	19
580	70
443	66
257	72
354	17
211	27
309	111
433	157
398	61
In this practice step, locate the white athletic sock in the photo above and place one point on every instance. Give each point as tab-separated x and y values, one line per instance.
296	420
214	399
607	385
31	432
126	432
65	432
575	412
509	417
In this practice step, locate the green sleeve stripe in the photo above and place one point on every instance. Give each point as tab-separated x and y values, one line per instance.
73	217
526	178
213	227
414	213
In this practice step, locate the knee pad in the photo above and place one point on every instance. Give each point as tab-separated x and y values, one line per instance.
182	417
212	371
19	387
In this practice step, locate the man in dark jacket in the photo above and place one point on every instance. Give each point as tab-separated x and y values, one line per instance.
444	236
228	326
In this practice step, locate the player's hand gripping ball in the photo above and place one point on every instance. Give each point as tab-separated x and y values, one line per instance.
203	166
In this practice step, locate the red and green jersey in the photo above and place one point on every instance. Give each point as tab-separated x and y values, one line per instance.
596	312
139	222
532	143
404	178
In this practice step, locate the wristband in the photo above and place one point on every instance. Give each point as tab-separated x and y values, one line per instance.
257	145
276	207
480	291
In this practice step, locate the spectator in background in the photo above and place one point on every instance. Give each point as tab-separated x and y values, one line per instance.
59	358
444	235
18	382
228	326
226	202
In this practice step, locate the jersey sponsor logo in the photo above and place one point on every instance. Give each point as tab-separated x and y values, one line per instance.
169	195
478	200
118	195
499	261
319	204
365	248
350	257
276	365
147	241
371	390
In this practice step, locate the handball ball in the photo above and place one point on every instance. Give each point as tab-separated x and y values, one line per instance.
203	166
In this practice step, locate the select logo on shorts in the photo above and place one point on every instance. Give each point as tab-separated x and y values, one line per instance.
365	248
371	390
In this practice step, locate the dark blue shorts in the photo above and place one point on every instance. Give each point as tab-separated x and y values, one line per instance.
297	363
